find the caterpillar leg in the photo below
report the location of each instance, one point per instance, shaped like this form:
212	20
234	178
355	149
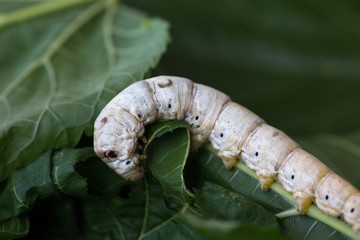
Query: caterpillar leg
265	179
194	146
143	139
138	146
229	162
303	202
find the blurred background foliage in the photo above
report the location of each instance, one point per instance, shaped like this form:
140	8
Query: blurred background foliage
294	63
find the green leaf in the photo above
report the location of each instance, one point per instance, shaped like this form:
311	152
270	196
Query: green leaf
60	69
64	176
228	215
26	186
13	228
227	230
144	215
101	179
47	176
159	128
235	180
216	201
167	157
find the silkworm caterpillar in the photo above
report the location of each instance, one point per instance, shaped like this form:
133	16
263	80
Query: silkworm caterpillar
236	132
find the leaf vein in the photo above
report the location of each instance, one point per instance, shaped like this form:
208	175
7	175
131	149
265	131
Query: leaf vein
55	46
158	227
146	210
16	194
56	179
308	232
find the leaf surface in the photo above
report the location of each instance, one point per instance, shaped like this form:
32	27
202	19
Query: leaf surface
49	175
222	213
144	215
55	80
13	228
168	158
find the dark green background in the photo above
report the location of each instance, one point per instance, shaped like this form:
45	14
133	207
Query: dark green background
294	63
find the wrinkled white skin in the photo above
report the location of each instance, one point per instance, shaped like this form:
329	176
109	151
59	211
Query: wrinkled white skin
137	100
116	133
351	212
332	193
172	96
264	150
206	106
233	130
300	174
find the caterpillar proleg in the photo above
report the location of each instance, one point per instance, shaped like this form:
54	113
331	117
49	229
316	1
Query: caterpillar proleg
236	132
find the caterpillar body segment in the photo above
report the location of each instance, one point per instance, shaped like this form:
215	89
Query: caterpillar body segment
300	174
230	131
351	212
264	151
235	131
117	127
207	104
137	99
332	193
172	97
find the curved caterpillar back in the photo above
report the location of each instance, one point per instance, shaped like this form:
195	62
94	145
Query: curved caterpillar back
233	130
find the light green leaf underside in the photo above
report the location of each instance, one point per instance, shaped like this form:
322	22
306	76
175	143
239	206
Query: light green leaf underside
168	156
55	80
159	128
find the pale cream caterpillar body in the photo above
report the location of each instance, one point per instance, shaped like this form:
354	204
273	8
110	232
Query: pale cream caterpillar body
236	132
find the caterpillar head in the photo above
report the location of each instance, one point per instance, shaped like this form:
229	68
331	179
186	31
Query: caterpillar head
115	141
351	211
125	165
129	169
